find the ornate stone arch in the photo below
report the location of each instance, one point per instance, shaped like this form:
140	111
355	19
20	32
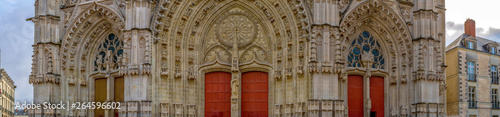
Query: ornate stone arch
228	11
192	18
180	28
91	42
80	41
84	24
384	19
380	18
300	10
393	35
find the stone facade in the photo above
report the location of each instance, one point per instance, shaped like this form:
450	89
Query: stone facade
162	49
472	65
7	90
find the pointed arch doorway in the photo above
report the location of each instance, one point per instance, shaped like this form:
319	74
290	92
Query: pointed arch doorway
365	92
254	98
109	85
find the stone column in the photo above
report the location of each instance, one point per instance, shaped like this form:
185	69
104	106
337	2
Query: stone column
46	73
235	82
367	61
137	56
325	85
110	93
427	55
235	95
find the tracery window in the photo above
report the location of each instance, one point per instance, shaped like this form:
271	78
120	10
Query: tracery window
365	43
109	53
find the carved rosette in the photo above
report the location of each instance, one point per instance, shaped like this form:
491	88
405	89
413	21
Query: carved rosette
236	26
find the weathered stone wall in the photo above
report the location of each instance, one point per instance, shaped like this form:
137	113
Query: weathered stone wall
483	84
303	45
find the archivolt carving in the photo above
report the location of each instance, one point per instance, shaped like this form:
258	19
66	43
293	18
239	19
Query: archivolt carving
193	29
217	53
382	20
386	16
81	24
100	33
343	5
255	53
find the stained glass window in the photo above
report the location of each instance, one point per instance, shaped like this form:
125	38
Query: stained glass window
108	53
365	43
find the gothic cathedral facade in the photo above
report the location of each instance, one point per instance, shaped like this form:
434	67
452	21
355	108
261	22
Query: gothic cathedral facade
301	58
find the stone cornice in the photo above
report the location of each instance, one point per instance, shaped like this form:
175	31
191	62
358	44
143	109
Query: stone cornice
45	78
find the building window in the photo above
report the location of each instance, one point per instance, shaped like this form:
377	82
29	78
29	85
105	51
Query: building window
494	99
365	44
110	50
472	97
470	44
494	74
493	50
471	71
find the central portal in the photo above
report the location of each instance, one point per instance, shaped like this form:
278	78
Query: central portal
356	96
254	97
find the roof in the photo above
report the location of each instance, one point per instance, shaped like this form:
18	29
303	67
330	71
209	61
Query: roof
480	43
4	75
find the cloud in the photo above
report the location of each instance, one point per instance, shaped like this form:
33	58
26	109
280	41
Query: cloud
493	33
453	30
17	37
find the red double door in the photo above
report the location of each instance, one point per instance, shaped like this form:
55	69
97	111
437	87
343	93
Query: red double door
253	97
355	95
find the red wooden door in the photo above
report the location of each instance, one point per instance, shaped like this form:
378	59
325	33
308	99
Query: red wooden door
377	96
355	95
254	96
218	94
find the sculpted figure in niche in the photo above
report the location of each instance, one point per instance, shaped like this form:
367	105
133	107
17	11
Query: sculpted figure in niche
234	87
367	56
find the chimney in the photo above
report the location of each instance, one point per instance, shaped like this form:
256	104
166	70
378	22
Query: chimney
470	27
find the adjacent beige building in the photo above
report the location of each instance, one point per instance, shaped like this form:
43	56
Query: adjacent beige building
6	94
472	75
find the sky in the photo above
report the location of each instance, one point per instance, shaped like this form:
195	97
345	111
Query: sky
16	34
16	38
484	12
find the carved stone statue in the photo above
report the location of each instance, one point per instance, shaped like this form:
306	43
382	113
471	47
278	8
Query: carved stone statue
234	87
99	62
367	59
367	56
